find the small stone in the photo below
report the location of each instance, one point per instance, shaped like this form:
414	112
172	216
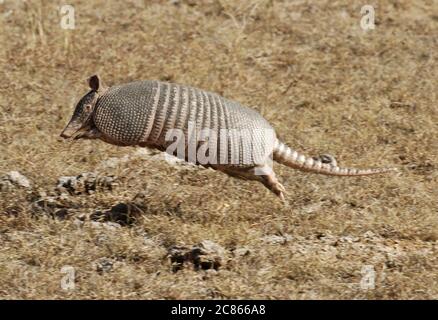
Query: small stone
6	185
122	213
61	214
369	234
274	239
103	265
211	247
348	239
13	178
110	226
178	255
204	256
208	255
49	205
241	252
85	183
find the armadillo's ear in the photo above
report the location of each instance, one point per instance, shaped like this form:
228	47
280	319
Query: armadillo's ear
94	82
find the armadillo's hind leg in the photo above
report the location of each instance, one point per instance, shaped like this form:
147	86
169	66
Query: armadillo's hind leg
263	174
271	182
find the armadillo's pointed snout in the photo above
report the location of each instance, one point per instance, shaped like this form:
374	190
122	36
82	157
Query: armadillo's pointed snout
66	133
70	130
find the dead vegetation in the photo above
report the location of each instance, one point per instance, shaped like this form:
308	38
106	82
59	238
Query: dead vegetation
369	98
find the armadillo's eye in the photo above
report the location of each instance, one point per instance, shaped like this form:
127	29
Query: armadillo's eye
87	108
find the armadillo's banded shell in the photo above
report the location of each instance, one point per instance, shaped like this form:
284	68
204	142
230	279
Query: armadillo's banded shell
147	111
123	112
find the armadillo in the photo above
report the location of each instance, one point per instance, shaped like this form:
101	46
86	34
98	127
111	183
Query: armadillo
199	126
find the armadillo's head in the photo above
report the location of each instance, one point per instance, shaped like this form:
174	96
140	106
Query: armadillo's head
82	120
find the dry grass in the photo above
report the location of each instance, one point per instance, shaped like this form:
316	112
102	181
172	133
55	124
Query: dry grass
326	85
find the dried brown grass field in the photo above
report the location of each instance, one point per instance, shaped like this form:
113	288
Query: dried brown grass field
369	98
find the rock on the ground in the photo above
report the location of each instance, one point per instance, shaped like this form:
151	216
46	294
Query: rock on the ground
52	206
109	226
121	213
85	183
204	256
241	252
103	265
13	178
275	239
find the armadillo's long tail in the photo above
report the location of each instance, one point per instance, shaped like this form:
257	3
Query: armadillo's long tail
285	155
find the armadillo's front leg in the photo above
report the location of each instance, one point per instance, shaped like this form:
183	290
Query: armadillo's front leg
92	133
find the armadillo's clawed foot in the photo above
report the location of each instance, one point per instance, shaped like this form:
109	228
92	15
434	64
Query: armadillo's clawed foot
271	182
281	193
282	198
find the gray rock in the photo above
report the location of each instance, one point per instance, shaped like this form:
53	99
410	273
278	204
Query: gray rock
241	252
274	239
203	256
103	265
124	214
13	178
85	183
6	185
